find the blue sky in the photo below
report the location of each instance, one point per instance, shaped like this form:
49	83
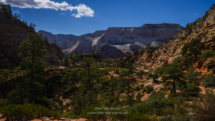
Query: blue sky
86	16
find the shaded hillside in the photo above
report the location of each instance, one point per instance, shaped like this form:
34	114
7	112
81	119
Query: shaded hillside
12	32
124	39
58	37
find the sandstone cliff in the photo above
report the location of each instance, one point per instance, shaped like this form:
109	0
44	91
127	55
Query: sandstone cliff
58	37
12	32
124	39
203	29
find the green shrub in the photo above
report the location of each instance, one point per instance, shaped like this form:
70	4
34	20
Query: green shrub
155	78
27	111
191	90
207	54
209	81
154	105
93	117
116	71
204	107
182	38
192	77
140	73
180	85
148	88
3	103
137	117
213	38
70	114
150	74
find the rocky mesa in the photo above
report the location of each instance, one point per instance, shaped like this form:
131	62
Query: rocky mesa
121	39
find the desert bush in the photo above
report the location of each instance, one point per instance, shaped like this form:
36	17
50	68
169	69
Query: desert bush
207	54
204	107
192	77
116	71
191	90
150	74
154	105
148	88
70	114
209	81
140	73
155	78
66	93
93	117
3	103
182	38
27	111
213	38
137	117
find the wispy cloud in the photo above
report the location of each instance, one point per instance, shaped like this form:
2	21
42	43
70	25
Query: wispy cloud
196	14
16	11
62	14
82	9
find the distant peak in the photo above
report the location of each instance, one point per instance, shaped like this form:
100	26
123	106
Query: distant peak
40	31
162	25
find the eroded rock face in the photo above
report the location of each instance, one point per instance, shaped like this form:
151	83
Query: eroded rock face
12	32
109	51
125	39
58	37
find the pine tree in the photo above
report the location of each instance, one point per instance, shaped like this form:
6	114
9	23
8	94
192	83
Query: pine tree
130	68
184	53
33	49
195	49
175	73
66	61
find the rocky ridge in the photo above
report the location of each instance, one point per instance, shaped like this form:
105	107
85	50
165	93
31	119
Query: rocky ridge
124	39
203	29
58	37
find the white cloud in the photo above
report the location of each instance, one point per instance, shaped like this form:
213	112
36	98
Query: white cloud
196	14
82	9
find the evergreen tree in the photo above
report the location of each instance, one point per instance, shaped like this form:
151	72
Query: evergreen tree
195	49
33	49
66	61
175	73
138	97
184	53
130	68
89	75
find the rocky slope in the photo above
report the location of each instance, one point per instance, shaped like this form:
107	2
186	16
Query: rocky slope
203	29
123	39
58	37
12	32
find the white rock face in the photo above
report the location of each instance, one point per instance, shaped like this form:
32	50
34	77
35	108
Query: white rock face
125	39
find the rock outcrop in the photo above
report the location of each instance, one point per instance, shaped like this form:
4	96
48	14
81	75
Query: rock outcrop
124	39
58	37
4	6
12	32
